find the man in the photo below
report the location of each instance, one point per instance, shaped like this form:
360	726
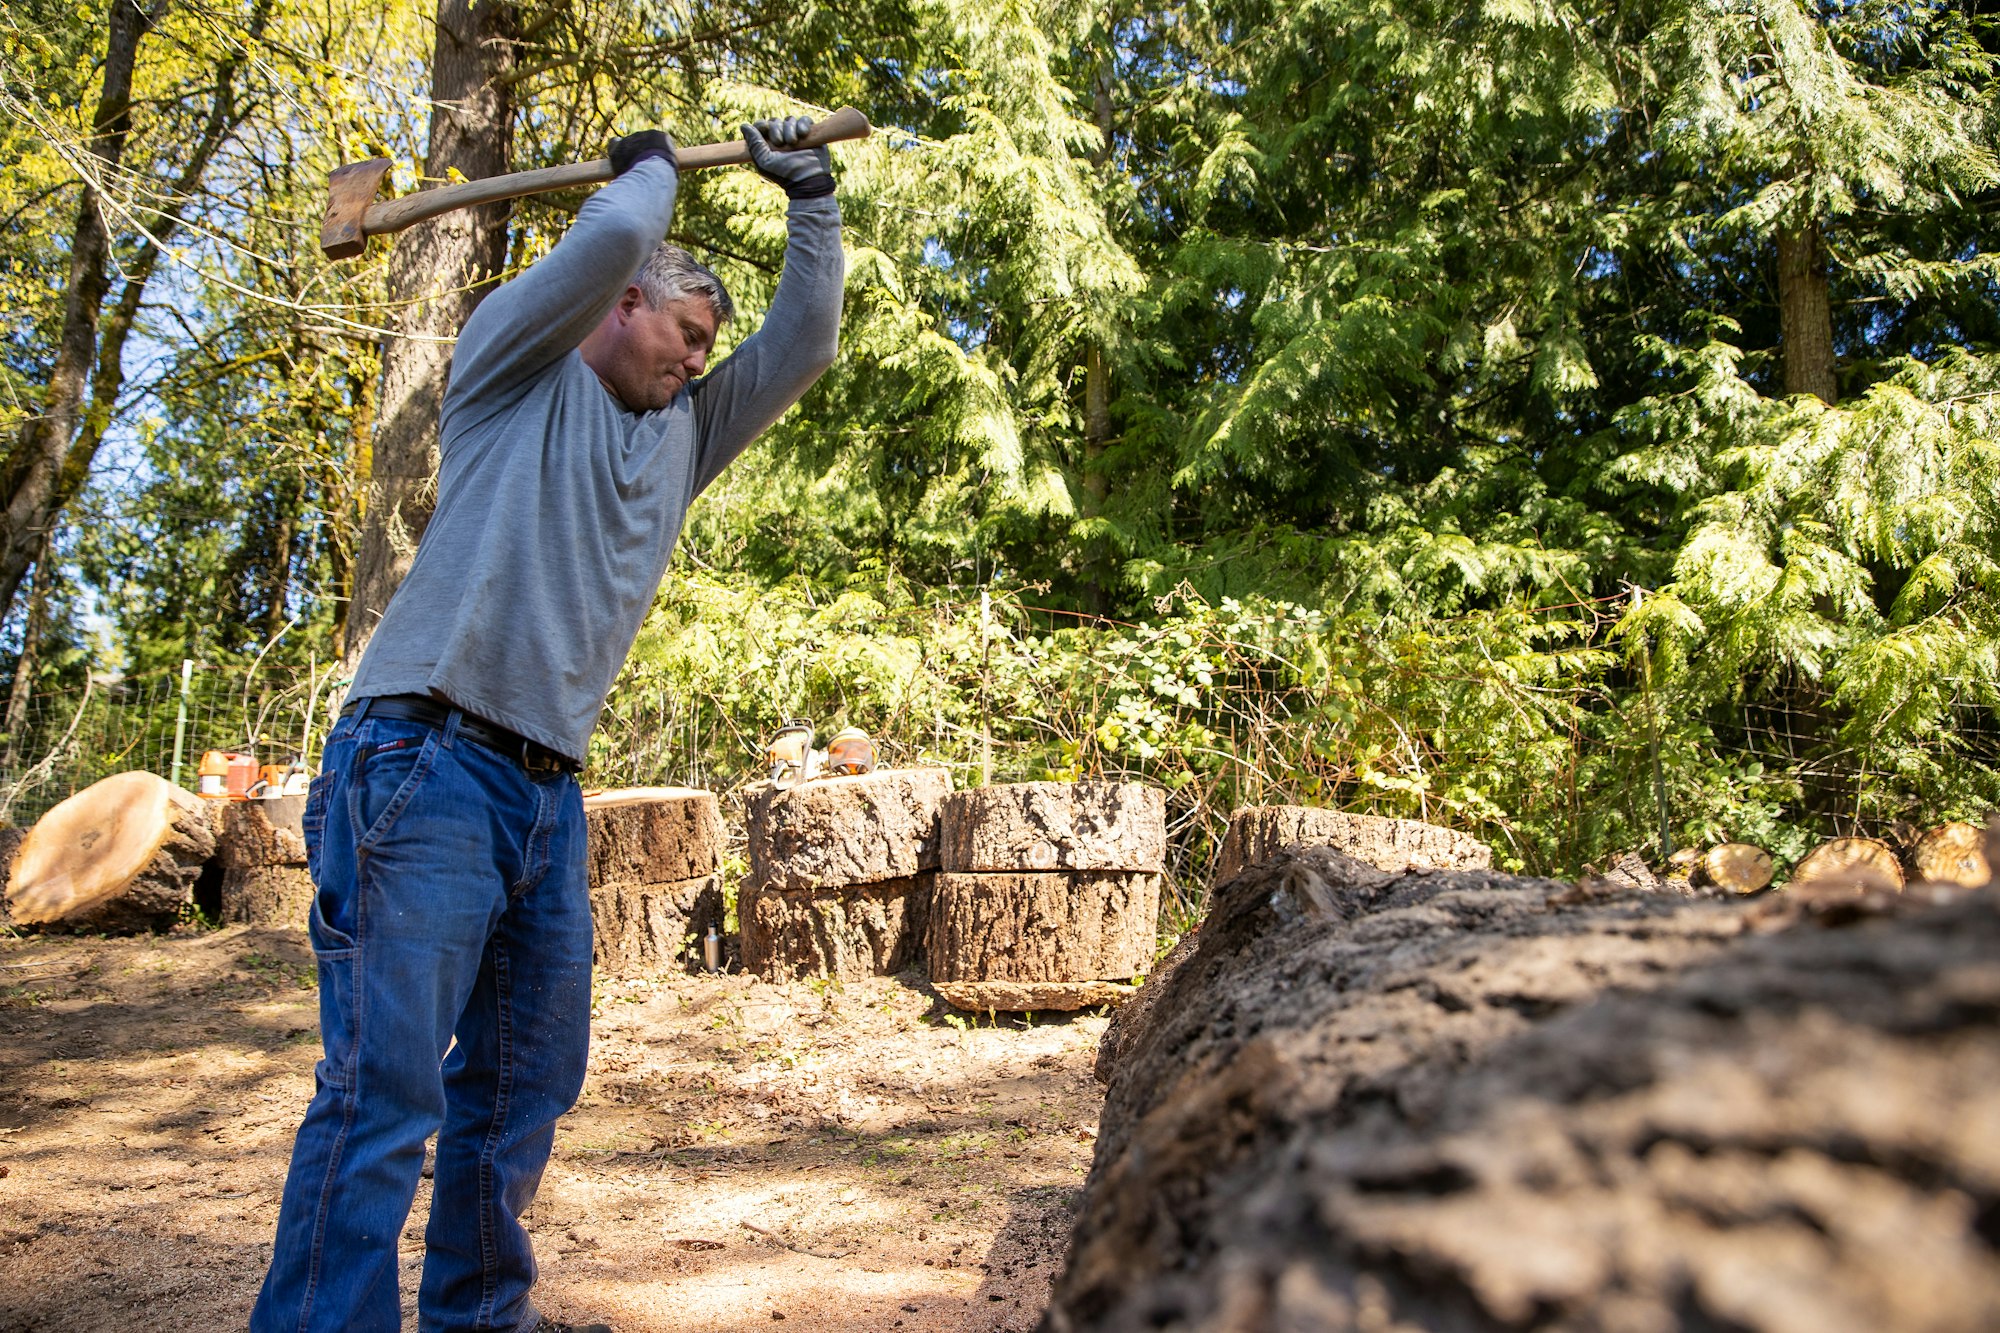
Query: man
446	830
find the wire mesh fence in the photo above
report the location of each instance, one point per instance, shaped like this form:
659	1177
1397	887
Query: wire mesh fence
1532	727
59	741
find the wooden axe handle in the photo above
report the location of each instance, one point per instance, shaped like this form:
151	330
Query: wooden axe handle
341	238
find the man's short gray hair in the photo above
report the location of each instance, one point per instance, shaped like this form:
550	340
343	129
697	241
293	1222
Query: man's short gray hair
672	273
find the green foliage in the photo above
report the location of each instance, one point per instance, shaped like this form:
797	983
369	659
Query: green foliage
1357	405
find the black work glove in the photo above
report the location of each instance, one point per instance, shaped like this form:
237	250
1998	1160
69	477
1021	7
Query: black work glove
806	173
629	151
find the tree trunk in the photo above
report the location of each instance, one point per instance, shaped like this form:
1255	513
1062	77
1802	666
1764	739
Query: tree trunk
24	667
52	457
1097	574
30	473
438	272
1805	314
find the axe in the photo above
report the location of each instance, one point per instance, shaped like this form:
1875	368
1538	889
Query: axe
352	215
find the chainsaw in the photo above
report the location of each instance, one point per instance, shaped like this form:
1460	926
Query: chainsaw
793	760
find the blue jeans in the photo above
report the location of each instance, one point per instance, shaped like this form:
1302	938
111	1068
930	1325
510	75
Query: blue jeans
453	902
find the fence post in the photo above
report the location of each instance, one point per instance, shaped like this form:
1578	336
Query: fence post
181	720
985	685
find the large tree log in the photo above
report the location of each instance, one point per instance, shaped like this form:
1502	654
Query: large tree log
1952	854
1058	925
120	855
654	835
1259	832
862	930
1462	1100
1021	826
835	832
649	929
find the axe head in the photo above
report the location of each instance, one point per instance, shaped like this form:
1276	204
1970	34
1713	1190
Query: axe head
349	191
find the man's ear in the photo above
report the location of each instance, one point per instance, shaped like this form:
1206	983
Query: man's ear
630	301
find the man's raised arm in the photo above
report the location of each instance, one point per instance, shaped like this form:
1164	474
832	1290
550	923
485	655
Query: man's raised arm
542	315
774	366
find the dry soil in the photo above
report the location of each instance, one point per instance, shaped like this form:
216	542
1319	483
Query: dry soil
745	1156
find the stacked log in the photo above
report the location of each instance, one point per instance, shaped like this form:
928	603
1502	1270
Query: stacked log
1952	853
655	857
121	855
262	848
1048	894
1257	833
1466	1100
841	874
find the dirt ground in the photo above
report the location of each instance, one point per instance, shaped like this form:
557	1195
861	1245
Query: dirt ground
837	1157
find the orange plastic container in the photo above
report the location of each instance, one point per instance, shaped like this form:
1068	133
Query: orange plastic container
214	774
226	775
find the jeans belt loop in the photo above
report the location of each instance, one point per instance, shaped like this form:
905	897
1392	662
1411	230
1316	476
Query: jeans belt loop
360	713
451	721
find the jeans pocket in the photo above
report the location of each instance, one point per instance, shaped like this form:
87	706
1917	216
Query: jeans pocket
388	770
337	1012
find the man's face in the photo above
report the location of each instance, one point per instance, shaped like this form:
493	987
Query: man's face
654	353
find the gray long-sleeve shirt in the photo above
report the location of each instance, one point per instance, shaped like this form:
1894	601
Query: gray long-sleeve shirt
558	508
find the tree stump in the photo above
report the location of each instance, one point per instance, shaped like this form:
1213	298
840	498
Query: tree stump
1864	861
121	855
1259	832
858	931
1466	1100
654	835
840	874
655	854
1953	854
648	929
276	895
1043	926
1026	826
260	833
833	832
262	848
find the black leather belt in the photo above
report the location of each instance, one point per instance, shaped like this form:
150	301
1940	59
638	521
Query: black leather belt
531	755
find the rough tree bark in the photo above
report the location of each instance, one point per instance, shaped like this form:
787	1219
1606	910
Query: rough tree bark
1464	1100
1805	313
438	273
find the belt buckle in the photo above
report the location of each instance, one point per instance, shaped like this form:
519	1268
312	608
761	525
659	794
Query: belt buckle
539	759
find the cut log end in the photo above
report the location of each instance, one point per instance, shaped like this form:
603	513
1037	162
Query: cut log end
1953	854
121	855
1736	867
1863	862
